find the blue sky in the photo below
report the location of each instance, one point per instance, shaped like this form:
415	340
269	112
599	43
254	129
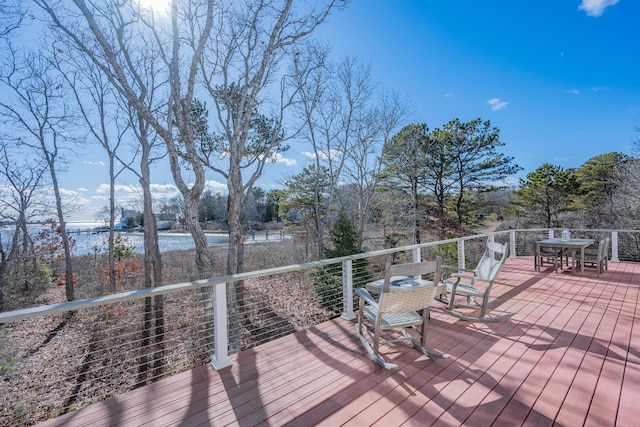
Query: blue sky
559	78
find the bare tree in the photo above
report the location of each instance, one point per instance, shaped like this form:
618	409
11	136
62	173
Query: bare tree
21	199
313	75
103	121
373	127
117	37
334	103
152	257
12	14
38	112
239	69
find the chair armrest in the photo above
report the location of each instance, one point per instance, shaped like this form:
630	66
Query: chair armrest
465	276
365	295
455	268
459	272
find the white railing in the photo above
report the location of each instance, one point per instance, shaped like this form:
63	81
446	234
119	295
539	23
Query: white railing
56	358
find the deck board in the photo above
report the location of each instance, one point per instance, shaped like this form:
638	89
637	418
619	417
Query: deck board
570	356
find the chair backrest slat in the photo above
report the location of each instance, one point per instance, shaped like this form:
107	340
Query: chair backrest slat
404	300
492	260
414	268
395	299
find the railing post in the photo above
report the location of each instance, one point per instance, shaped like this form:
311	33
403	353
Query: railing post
417	254
220	358
614	246
512	243
461	262
551	233
347	290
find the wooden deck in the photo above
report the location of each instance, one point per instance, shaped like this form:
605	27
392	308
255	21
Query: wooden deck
570	356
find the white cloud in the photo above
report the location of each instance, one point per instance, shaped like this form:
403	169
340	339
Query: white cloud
497	104
215	186
448	95
285	160
130	194
118	188
169	190
573	91
322	155
86	162
596	8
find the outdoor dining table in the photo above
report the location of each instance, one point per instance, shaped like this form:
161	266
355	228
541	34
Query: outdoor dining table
572	245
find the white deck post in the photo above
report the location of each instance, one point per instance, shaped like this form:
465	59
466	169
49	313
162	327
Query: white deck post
512	243
614	247
347	290
220	358
417	254
461	262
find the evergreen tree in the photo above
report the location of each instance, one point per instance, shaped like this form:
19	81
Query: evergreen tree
328	279
547	192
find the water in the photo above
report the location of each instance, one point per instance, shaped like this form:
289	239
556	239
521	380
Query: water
168	241
85	243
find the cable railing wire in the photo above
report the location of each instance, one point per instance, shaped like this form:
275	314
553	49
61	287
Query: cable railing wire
101	348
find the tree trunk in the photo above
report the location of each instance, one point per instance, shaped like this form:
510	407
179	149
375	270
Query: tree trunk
68	284
152	270
235	261
111	287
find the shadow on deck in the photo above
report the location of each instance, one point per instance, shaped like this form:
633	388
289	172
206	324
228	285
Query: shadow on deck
569	356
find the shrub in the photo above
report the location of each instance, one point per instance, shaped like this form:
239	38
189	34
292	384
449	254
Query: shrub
121	248
328	279
44	272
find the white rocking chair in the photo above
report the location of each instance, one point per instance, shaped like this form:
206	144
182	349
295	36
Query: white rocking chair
475	285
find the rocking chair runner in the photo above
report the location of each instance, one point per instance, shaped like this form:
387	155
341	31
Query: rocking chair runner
467	283
400	299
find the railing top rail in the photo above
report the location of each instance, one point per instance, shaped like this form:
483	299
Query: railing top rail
11	316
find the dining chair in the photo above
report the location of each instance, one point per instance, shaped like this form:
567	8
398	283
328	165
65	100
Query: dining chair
597	260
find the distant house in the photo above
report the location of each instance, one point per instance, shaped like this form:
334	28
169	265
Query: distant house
164	225
121	225
126	220
166	216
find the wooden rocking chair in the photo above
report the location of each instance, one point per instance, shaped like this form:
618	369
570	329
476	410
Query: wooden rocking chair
403	304
474	285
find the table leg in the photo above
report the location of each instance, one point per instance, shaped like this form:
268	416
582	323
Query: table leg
582	261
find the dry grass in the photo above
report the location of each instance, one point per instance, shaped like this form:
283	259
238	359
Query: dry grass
57	363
